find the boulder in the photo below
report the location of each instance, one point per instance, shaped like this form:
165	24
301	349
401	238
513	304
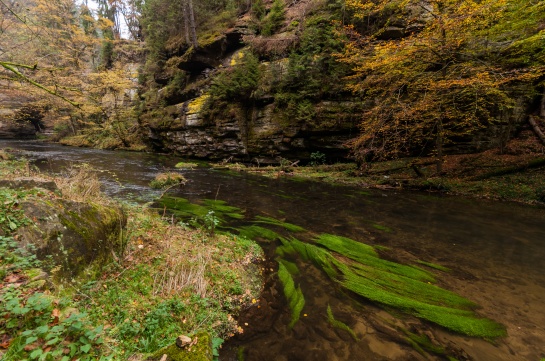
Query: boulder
72	234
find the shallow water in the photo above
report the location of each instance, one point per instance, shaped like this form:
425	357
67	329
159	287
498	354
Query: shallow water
496	252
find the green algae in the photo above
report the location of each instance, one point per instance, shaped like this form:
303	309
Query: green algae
423	344
275	222
183	208
290	267
338	324
257	232
384	282
367	255
434	266
293	295
380	227
221	207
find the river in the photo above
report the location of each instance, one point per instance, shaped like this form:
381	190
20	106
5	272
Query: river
495	250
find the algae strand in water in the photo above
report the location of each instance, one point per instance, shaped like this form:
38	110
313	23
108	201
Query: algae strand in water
294	296
361	271
275	222
338	324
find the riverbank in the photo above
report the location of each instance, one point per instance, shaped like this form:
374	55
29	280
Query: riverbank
161	280
516	174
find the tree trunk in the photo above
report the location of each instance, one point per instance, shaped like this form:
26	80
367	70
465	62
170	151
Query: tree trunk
439	147
186	22
192	25
542	107
536	129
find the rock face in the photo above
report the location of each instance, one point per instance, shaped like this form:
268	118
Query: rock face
11	101
259	137
73	234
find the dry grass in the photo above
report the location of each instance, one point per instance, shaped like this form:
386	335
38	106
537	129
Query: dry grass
182	271
80	184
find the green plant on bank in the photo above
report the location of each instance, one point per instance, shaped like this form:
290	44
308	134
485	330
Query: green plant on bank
317	158
171	287
211	221
338	324
11	215
157	287
38	326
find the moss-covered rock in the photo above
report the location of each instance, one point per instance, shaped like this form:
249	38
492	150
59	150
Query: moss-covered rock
72	234
200	351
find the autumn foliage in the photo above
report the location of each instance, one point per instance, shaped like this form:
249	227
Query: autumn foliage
444	80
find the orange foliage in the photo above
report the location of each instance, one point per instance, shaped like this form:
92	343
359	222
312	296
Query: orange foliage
432	86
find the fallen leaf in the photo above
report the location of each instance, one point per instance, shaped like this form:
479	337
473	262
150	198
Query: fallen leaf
14	278
5	341
55	314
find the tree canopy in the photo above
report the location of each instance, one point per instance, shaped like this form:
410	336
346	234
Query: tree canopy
443	80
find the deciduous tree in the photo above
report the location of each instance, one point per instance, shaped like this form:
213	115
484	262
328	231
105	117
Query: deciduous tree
437	85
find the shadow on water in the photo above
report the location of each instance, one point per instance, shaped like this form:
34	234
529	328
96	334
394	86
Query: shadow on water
495	251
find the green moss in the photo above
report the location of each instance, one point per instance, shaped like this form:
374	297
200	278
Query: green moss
275	222
186	165
201	351
293	295
165	180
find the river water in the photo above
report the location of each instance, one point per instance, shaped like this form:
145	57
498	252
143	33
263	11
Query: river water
495	250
